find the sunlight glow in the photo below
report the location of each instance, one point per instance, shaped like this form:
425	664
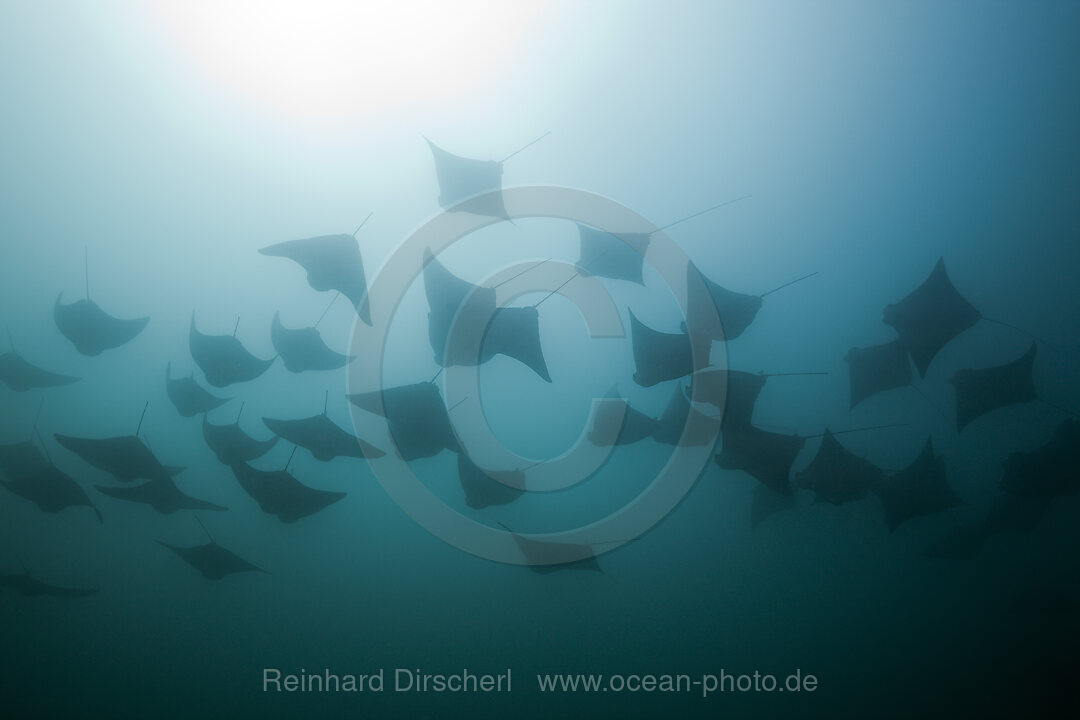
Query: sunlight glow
333	59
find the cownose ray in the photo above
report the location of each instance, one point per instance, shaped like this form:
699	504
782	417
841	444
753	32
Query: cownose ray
674	426
470	185
280	494
837	475
982	390
188	396
303	349
332	262
921	488
162	494
735	310
621	255
417	417
213	561
733	392
231	444
458	314
661	356
545	557
27	585
89	328
466	328
223	358
322	437
877	368
488	488
48	487
769	456
125	457
616	423
766	502
932	315
1050	470
20	375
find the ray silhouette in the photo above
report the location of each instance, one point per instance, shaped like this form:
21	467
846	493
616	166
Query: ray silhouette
660	356
303	349
877	368
223	359
332	262
615	424
320	436
735	310
472	186
837	475
983	390
125	457
45	485
417	417
188	397
213	561
919	489
485	488
162	494
20	375
231	444
546	557
27	585
671	425
763	455
280	494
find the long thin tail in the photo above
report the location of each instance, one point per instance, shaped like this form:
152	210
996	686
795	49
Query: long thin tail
862	429
1059	408
515	277
788	284
236	326
141	417
1031	335
240	412
327	310
291	456
700	212
363	223
527	145
37	417
199	520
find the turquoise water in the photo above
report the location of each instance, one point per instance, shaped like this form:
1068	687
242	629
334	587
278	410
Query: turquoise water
171	144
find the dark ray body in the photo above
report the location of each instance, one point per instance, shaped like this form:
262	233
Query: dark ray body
417	417
332	262
279	493
90	329
188	397
303	349
223	359
322	438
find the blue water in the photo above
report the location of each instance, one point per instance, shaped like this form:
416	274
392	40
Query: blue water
872	140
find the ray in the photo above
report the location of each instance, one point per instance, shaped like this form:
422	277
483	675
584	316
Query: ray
320	436
20	375
90	329
986	389
547	557
671	425
161	494
125	457
459	313
515	333
27	585
417	417
763	455
332	262
280	494
468	185
231	445
485	488
616	424
303	349
42	483
930	317
660	356
836	475
213	561
188	397
733	392
919	489
223	359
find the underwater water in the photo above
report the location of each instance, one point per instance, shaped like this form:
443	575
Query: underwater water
151	150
